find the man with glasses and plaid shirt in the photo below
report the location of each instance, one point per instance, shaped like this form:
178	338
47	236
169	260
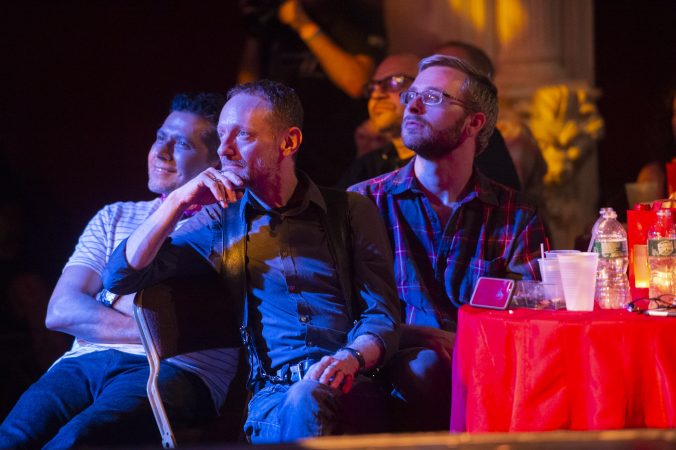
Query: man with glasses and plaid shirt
448	225
391	77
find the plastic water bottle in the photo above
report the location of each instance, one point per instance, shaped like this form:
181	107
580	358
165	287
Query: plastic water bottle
610	242
662	255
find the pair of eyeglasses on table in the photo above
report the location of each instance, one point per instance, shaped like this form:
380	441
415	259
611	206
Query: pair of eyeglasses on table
662	305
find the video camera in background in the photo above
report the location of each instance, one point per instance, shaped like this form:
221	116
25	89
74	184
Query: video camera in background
258	14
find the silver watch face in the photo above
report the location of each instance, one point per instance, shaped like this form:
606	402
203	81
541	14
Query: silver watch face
108	298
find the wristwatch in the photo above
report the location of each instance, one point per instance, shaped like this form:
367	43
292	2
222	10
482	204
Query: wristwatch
357	355
107	298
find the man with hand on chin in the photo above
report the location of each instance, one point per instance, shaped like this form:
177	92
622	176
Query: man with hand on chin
316	312
96	393
448	225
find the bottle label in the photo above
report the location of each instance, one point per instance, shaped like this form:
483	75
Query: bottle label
662	247
611	249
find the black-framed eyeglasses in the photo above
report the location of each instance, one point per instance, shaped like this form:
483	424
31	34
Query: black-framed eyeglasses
662	302
430	97
393	83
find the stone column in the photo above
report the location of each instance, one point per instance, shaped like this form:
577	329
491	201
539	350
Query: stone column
543	53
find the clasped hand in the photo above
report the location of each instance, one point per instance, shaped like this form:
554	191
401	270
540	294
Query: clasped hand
337	371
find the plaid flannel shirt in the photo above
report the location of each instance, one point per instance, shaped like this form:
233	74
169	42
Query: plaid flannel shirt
492	231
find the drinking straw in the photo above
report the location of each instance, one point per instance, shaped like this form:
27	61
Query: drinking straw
591	241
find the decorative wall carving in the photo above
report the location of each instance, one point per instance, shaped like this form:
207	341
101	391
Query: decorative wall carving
543	52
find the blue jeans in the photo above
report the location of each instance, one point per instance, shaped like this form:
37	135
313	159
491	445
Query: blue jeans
100	398
284	413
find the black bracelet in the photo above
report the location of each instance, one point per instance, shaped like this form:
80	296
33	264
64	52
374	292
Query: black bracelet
358	356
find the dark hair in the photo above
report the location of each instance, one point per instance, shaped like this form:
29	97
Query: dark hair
476	56
284	102
478	92
206	105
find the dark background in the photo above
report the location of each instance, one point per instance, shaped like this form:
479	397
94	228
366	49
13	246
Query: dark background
635	68
86	84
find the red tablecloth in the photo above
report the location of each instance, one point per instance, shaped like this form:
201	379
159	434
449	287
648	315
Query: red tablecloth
526	370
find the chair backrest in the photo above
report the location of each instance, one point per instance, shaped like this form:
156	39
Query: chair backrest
183	315
187	314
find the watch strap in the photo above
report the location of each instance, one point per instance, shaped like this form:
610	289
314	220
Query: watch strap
358	356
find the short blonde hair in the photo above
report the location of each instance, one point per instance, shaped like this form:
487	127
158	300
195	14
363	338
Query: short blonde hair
478	91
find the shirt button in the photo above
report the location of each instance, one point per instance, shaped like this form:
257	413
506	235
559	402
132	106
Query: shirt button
304	318
293	289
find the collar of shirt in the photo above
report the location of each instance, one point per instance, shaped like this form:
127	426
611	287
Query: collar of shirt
404	180
306	192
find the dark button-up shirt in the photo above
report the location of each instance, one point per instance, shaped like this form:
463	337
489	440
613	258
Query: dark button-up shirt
296	310
491	232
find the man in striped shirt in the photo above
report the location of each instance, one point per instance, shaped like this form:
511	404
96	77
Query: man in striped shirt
95	394
448	225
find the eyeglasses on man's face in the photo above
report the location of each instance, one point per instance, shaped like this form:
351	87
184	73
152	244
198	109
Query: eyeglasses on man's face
430	97
662	302
393	83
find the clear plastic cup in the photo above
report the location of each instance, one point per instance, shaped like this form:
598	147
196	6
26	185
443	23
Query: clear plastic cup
578	278
549	271
555	253
537	295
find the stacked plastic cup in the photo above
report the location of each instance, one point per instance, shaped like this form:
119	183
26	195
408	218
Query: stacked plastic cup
549	271
555	253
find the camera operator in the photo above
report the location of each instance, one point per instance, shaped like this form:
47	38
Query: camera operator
326	51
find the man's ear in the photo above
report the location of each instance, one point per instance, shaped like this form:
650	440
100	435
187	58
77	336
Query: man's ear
476	123
292	140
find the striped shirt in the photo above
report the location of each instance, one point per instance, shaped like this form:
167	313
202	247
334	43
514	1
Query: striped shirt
491	232
105	231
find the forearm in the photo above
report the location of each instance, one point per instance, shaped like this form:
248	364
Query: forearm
347	71
374	284
370	348
81	316
145	242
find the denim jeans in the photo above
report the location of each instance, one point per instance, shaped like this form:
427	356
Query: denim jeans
287	412
100	398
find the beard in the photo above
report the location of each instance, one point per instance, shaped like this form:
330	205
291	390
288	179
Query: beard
433	144
259	172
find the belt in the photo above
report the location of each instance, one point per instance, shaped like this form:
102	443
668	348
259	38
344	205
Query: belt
291	373
287	374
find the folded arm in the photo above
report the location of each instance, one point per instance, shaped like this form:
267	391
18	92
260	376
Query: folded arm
73	309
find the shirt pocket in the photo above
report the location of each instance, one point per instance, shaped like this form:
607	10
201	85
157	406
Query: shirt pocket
476	268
